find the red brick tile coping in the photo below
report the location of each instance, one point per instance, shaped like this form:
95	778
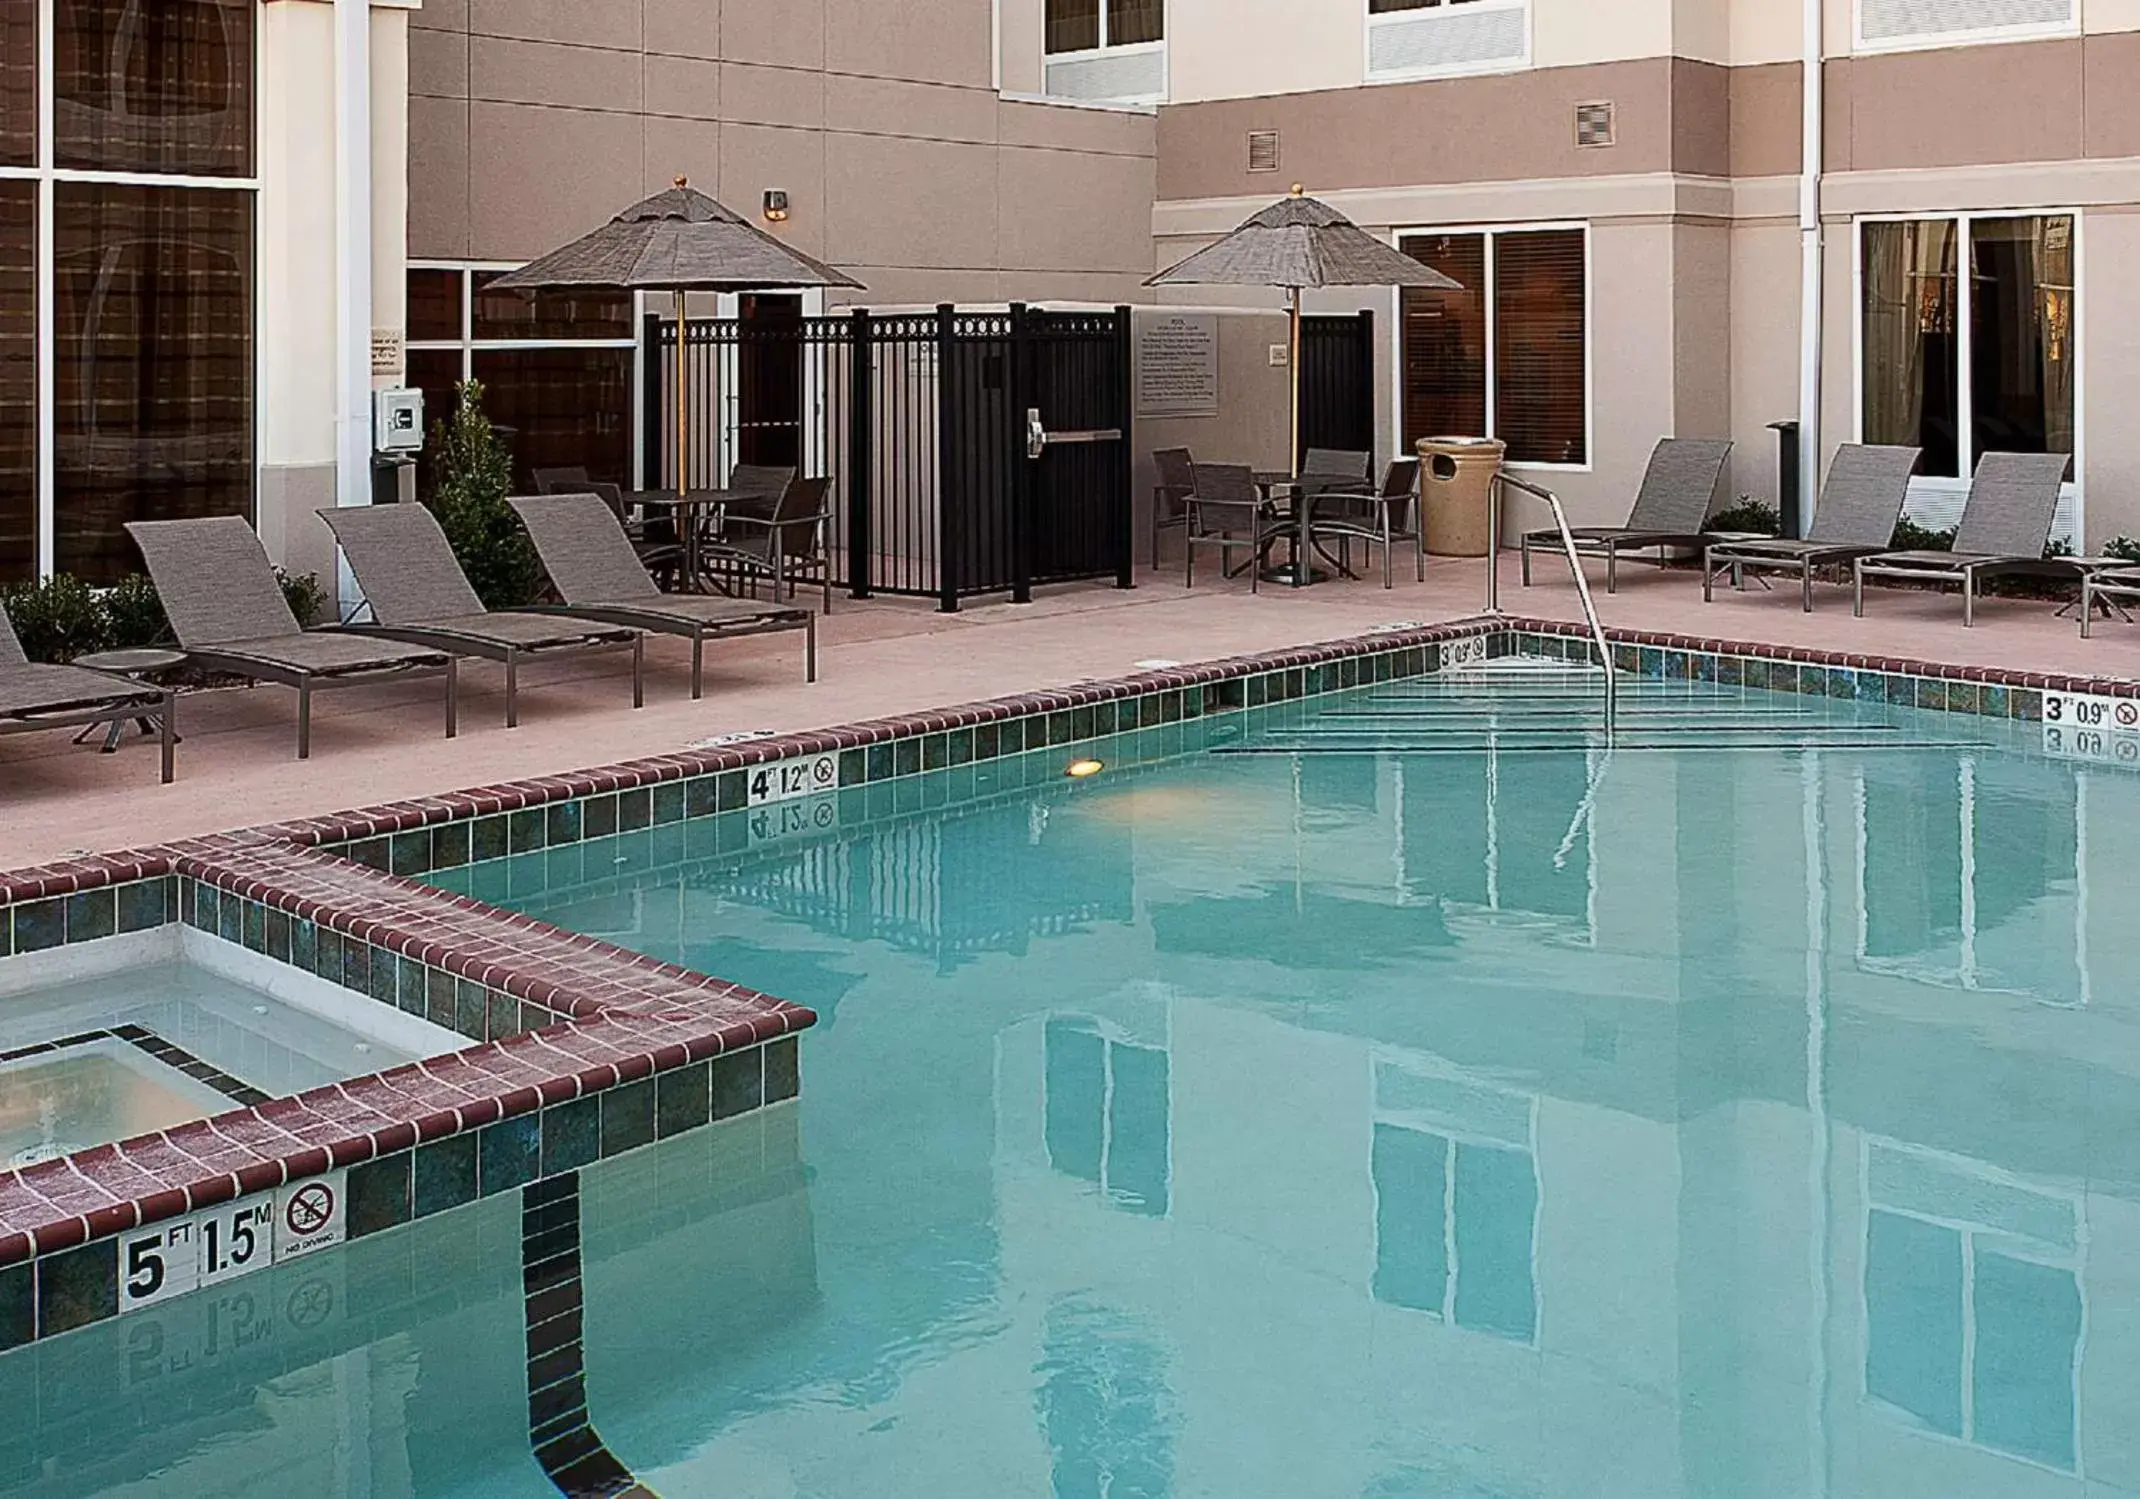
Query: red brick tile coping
566	1020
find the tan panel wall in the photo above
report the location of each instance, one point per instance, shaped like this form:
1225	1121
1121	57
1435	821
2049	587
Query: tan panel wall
1575	33
1508	127
1701	329
533	120
1764	349
1237	49
2110	371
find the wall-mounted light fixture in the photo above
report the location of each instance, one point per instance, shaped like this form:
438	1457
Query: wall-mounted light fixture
776	206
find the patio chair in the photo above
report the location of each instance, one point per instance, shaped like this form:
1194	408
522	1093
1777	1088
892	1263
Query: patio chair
1223	503
220	593
785	544
35	696
418	593
1380	518
757	488
1677	491
1170	495
1859	507
593	569
2006	524
1324	469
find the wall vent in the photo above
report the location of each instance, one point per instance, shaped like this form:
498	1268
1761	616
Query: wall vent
1908	22
1263	150
1593	124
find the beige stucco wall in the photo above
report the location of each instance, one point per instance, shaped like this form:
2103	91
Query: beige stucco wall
534	123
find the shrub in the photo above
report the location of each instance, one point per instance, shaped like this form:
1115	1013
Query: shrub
57	618
2124	548
133	615
1911	537
305	594
1748	515
474	475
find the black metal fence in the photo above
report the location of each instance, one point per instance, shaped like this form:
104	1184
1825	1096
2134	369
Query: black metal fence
1337	383
921	422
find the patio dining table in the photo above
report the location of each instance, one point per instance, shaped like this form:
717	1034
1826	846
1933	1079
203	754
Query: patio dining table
1301	491
690	512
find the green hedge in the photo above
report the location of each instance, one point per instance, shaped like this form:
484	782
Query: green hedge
61	617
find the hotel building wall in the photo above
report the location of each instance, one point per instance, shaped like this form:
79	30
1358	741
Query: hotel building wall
1694	244
534	122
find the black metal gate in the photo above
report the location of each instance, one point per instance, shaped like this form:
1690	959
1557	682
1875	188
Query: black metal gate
1337	383
921	421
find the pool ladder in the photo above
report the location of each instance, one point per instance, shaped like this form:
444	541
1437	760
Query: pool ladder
1505	480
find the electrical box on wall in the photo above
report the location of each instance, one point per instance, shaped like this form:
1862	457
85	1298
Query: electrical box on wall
398	421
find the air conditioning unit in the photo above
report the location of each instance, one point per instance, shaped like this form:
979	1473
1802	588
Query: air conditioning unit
1905	23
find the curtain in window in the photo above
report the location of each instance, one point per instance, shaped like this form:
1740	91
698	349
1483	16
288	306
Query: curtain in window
18	380
1910	321
1073	25
18	83
154	364
2021	335
1539	367
1445	341
1133	21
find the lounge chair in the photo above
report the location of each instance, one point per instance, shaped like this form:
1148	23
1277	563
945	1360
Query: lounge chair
594	570
1176	468
36	696
1859	507
1380	518
419	594
2006	524
2102	587
1224	502
1678	488
220	594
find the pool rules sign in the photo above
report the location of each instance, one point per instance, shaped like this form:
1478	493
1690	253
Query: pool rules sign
220	1244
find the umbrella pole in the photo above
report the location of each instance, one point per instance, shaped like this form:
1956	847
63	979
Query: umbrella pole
683	401
1292	457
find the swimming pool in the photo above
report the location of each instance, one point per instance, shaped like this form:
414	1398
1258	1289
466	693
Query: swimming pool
1402	1094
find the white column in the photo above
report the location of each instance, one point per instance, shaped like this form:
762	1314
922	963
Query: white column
1810	310
353	250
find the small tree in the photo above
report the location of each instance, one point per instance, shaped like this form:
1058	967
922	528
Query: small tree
474	475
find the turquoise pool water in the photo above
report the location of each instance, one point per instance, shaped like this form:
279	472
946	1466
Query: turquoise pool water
1405	1097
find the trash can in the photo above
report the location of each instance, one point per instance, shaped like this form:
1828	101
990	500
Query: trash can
1456	488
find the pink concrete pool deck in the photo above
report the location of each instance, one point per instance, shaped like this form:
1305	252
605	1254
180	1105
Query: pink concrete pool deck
882	658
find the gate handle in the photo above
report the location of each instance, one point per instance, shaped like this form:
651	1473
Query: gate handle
1038	439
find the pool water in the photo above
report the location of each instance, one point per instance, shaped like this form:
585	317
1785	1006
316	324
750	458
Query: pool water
1408	1096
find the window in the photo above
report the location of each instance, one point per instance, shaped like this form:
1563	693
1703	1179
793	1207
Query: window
1107	1113
1885	25
145	172
1437	38
556	367
1975	1323
1456	1201
1961	365
1083	25
1106	51
1507	355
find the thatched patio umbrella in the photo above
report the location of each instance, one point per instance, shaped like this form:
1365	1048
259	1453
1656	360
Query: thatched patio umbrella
1299	243
677	241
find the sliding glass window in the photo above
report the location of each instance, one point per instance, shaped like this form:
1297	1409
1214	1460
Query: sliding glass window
139	144
556	367
1963	364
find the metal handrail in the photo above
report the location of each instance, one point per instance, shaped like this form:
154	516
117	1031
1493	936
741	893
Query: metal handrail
1575	566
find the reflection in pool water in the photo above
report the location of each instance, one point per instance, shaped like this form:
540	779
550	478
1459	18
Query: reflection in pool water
1440	1120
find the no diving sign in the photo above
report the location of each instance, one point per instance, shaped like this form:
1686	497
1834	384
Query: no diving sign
309	1215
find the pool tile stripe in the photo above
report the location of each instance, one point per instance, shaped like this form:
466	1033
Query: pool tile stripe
166	1052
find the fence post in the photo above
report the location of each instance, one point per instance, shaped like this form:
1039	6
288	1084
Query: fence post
653	400
1373	426
947	571
861	442
1025	473
1125	518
